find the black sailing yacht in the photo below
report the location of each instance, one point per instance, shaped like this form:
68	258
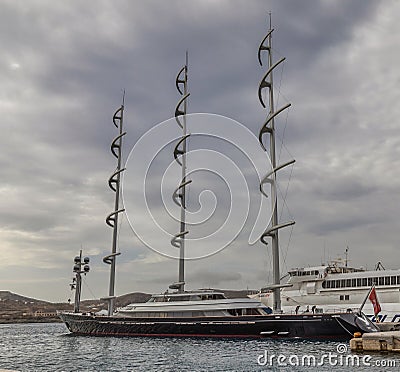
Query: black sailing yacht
208	313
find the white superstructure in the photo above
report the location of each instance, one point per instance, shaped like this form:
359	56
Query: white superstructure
194	305
337	286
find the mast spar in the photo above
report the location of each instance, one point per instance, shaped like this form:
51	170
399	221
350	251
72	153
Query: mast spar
114	182
179	195
269	128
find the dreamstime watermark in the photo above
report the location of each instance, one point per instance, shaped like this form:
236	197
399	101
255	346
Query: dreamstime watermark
221	154
340	358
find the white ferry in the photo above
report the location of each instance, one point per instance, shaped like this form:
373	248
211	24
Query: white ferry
336	286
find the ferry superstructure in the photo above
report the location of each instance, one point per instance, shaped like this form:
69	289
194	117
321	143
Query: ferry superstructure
337	286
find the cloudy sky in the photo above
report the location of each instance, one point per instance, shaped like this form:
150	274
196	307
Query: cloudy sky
63	68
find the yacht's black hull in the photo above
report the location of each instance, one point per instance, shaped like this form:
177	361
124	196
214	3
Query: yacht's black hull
333	326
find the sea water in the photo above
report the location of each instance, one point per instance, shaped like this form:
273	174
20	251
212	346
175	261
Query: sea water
50	347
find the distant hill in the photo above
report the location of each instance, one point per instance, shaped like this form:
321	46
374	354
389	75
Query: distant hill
8	296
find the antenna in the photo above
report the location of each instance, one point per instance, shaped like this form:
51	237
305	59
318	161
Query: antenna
179	195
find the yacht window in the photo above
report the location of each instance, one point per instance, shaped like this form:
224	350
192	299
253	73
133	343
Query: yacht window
178	298
348	282
374	281
353	282
235	312
364	282
387	280
252	312
393	280
347	297
359	282
398	280
333	284
324	284
342	283
341	297
381	280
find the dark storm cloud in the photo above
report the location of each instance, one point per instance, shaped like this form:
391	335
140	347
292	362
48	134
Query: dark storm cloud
64	66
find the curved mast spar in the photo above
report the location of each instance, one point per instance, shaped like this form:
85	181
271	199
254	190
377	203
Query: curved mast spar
179	195
269	128
114	182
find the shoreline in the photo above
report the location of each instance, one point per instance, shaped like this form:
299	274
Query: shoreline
31	320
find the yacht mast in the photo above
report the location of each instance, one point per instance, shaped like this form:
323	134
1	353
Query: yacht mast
179	195
269	128
114	183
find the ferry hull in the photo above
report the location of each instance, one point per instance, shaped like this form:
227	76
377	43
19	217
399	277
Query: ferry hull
333	326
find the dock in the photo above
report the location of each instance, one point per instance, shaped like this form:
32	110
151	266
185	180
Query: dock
385	341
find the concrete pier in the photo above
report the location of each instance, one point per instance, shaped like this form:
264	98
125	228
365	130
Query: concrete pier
377	341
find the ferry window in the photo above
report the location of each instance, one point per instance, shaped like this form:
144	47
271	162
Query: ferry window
387	280
342	283
341	297
393	280
347	297
374	281
370	280
359	282
353	282
337	283
348	282
328	284
364	282
381	280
